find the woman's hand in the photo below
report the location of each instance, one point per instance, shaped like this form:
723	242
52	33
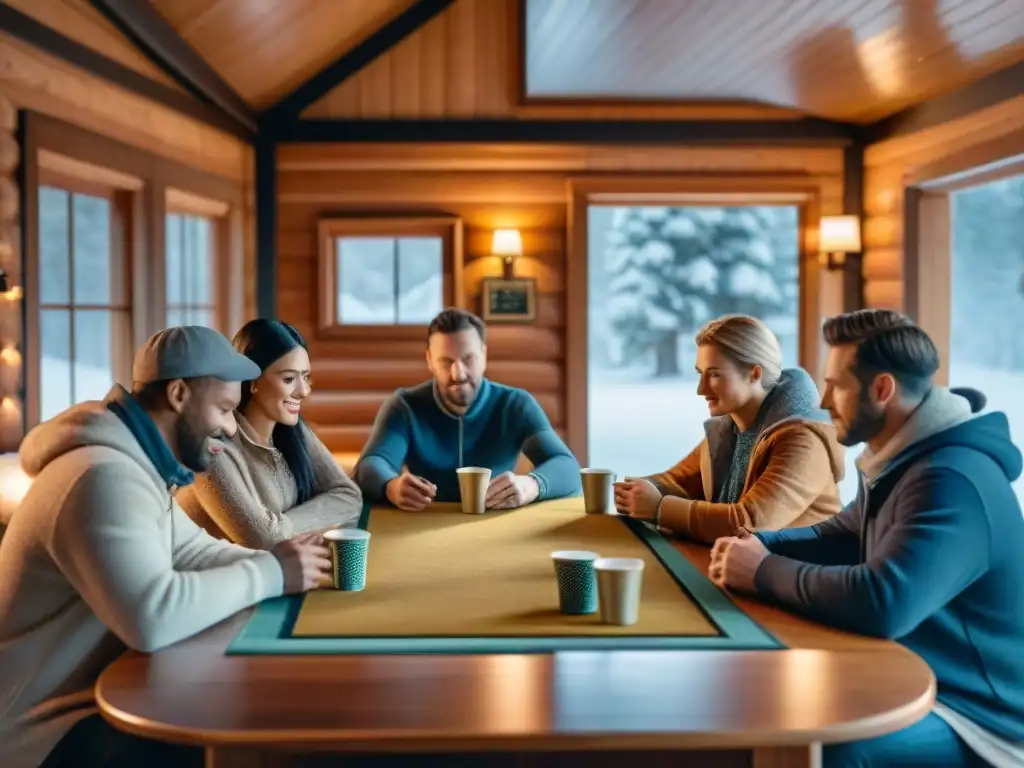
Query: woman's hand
637	498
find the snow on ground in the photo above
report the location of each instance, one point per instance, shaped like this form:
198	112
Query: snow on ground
640	425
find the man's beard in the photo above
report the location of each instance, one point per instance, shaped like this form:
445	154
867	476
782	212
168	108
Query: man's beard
193	452
459	396
868	422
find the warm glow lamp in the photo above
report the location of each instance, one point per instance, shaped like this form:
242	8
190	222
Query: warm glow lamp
838	236
508	244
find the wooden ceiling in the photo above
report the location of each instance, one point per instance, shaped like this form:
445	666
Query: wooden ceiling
265	48
846	60
853	60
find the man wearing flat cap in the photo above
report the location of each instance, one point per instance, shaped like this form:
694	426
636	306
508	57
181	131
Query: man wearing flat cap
99	556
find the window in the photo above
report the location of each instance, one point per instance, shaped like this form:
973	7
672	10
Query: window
85	315
986	322
389	280
190	270
655	275
93	207
390	275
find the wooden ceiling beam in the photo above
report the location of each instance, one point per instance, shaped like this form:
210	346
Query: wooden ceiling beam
141	23
804	131
999	86
290	107
28	30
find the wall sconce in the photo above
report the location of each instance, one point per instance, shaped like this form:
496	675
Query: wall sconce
508	244
838	236
8	291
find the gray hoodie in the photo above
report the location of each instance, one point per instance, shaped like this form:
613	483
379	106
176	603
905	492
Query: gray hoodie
97	557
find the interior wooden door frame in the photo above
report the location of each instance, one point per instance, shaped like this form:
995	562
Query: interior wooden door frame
679	189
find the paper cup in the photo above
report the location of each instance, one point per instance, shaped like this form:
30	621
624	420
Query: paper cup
473	482
577	585
597	490
349	548
619	580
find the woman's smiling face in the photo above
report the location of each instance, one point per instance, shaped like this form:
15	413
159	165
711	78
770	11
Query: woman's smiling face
279	392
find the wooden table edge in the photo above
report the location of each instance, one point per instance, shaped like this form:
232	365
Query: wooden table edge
399	741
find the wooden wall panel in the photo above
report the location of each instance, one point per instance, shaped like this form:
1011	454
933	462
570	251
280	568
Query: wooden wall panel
37	81
892	165
465	62
78	20
488	186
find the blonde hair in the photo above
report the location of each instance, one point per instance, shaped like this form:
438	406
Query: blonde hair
746	341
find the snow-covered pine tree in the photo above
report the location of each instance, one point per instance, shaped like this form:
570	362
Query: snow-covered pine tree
661	281
672	269
741	249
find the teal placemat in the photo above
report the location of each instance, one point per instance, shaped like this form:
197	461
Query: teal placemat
268	631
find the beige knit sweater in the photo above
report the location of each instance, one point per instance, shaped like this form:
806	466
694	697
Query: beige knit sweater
249	495
97	557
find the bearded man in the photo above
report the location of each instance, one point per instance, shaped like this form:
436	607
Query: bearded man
929	554
99	556
459	418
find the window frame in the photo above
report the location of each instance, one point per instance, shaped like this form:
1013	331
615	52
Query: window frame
53	149
820	291
181	203
329	229
928	231
54	173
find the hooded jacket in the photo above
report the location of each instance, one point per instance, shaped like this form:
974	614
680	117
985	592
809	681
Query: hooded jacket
931	554
98	557
791	478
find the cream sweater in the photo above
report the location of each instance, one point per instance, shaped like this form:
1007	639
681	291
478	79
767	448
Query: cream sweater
99	556
249	495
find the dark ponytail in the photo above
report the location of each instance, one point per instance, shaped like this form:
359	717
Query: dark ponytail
265	342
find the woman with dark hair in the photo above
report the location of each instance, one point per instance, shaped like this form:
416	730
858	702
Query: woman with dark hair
274	479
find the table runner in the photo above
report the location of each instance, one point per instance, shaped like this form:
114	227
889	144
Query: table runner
440	581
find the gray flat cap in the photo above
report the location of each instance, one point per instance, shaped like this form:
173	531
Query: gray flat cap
191	351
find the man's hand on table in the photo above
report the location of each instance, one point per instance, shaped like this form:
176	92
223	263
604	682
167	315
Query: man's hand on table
735	560
305	562
409	492
509	491
637	498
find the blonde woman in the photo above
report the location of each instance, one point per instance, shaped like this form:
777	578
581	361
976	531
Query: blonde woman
769	459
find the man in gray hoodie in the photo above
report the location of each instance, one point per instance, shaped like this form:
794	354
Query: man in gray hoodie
98	556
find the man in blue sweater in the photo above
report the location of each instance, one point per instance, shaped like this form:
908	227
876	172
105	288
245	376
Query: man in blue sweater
460	419
931	552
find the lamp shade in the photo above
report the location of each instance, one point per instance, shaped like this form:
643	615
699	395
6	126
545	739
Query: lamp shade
507	242
839	234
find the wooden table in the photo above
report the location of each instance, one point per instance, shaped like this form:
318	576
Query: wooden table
565	709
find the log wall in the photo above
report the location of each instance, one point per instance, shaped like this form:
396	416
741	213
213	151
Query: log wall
892	165
11	401
488	186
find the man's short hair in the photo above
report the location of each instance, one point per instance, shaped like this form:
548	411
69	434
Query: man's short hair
455	320
886	342
153	394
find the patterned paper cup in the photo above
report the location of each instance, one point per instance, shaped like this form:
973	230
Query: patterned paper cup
348	548
577	581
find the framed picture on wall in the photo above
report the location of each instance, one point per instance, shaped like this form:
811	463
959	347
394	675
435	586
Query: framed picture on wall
509	300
